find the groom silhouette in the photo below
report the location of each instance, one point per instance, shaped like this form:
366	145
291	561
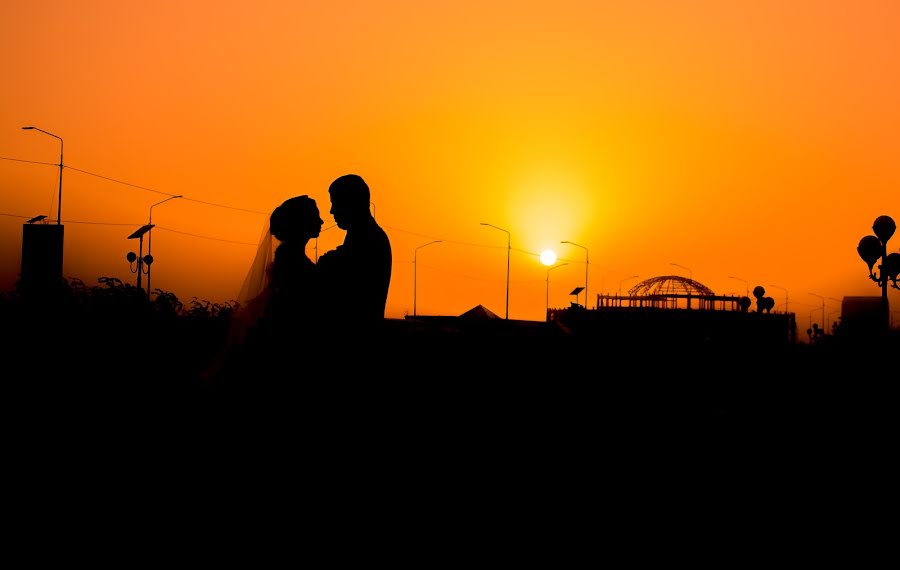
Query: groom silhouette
356	275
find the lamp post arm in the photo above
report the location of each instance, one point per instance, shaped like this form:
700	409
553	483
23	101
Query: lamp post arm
587	262
59	194
746	284
547	305
690	271
150	239
61	144
508	251
415	270
785	297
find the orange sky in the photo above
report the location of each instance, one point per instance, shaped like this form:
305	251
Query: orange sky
757	140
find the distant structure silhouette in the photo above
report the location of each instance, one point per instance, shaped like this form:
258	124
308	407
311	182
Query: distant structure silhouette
668	290
682	310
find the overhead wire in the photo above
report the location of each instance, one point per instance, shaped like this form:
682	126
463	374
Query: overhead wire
219	205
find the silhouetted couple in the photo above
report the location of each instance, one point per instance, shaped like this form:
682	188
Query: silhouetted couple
292	307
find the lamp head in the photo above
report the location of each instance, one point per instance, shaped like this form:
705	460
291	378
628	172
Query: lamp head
869	249
27	128
891	267
884	228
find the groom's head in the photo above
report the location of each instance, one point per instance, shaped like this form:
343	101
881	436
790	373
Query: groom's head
349	199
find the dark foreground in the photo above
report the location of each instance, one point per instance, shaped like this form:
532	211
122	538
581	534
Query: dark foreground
485	391
634	429
486	431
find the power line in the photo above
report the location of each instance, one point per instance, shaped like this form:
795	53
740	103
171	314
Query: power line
164	193
137	224
228	207
118	181
16	216
215	204
138	186
75	221
203	237
459	242
100	223
29	161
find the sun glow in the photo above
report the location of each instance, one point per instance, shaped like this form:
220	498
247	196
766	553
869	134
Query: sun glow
548	257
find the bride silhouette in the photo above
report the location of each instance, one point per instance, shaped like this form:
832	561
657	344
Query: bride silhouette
279	306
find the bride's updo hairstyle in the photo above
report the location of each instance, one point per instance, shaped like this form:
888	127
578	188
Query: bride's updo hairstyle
290	218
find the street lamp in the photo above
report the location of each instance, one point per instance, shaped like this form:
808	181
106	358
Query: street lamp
870	249
59	203
690	273
625	279
814	332
150	240
746	285
839	302
415	252
139	258
549	269
508	250
830	321
785	297
823	306
586	262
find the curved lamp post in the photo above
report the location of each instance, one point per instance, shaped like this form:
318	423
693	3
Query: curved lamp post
840	304
59	202
746	284
586	262
873	247
149	257
831	321
690	273
823	309
508	250
549	269
625	279
415	252
814	332
785	297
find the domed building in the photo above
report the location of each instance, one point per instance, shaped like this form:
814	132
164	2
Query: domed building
671	292
670	284
680	310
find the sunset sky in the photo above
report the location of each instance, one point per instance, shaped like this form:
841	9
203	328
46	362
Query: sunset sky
738	143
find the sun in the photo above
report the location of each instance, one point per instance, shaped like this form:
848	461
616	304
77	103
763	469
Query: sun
548	257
